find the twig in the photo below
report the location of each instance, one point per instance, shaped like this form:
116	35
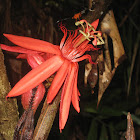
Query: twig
130	134
130	10
46	119
136	46
137	80
134	24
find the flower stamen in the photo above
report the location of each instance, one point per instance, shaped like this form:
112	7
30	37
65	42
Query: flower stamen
90	32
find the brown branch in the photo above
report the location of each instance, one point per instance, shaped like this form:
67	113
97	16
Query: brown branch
8	109
46	119
97	9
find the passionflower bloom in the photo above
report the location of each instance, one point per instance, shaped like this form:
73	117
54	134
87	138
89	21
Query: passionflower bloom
64	60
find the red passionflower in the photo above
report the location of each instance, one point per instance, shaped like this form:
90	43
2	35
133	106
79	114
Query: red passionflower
63	60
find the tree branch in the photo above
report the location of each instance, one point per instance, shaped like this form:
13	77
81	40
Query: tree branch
8	109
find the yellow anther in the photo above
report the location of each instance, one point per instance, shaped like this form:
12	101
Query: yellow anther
84	34
87	34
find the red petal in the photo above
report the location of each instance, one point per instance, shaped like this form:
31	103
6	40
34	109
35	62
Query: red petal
66	97
31	61
33	44
35	60
75	96
82	58
25	99
95	24
37	76
58	81
95	41
22	56
17	49
64	30
38	96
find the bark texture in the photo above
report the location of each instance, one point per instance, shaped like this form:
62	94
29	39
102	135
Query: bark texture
8	109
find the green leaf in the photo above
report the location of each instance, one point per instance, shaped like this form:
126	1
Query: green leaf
91	108
103	135
93	131
110	111
121	125
112	132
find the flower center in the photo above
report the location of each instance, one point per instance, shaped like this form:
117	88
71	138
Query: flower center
76	45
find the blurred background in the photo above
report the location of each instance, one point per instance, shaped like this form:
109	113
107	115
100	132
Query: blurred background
39	19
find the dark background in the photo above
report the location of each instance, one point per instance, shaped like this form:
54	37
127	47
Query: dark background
34	18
